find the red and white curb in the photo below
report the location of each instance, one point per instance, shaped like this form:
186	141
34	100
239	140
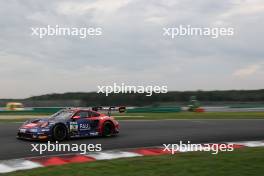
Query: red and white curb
36	162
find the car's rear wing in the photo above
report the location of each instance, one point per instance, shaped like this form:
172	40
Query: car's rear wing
110	109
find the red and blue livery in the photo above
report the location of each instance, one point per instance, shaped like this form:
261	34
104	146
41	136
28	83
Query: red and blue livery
69	123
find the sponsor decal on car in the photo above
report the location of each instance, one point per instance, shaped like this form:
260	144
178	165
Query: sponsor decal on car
94	133
84	126
73	126
22	130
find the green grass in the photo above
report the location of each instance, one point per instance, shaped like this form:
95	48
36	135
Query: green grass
160	116
248	161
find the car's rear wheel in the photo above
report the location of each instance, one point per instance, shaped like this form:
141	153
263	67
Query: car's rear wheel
59	133
108	129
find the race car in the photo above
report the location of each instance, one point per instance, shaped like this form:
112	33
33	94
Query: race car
69	123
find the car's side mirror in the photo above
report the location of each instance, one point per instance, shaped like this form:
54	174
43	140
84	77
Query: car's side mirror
75	117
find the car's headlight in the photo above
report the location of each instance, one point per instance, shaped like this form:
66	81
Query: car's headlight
33	130
45	129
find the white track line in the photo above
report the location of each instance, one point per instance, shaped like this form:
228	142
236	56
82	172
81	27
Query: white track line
17	164
112	155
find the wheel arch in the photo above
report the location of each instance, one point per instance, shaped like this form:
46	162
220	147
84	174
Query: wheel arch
102	125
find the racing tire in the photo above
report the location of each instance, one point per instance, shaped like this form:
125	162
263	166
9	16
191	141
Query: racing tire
108	129
59	133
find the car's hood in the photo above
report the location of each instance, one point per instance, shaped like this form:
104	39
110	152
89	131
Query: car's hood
33	123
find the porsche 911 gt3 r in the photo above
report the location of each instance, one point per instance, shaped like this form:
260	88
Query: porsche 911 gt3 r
69	123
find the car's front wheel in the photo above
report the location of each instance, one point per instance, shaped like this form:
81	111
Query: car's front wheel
59	133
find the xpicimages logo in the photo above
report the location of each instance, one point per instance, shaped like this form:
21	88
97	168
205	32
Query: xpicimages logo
149	90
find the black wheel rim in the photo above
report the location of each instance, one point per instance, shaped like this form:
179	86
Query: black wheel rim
60	133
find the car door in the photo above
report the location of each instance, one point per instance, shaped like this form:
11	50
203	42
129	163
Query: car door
83	123
94	123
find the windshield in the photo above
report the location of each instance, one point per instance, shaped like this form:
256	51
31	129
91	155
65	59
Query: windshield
63	114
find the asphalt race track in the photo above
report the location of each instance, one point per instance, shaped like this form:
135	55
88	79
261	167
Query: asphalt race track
145	133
